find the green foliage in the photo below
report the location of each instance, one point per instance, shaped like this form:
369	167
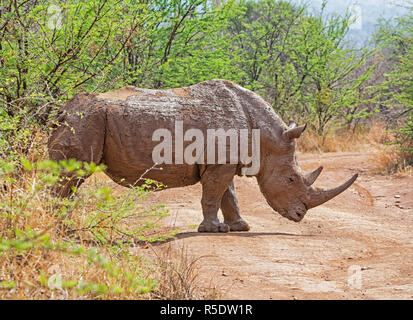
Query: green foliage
94	215
49	50
299	62
13	138
128	282
395	39
183	46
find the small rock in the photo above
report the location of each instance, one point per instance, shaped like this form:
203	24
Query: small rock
224	273
397	196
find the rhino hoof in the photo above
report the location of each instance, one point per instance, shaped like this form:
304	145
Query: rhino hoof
211	227
240	225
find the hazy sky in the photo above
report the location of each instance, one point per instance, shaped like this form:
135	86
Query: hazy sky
366	12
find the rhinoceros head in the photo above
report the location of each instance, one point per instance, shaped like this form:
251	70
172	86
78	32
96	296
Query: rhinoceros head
287	189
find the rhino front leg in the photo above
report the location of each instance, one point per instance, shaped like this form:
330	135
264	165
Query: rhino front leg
215	181
230	211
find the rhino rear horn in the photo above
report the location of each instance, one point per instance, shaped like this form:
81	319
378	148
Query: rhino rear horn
293	132
309	178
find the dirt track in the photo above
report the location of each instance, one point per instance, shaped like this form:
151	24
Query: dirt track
365	231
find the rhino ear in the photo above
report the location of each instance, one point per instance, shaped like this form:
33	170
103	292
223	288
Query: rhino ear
293	132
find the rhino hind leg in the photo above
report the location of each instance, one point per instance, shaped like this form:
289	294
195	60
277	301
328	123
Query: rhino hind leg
81	139
230	211
215	181
69	180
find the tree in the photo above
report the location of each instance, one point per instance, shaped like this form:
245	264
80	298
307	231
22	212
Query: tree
299	61
50	52
183	46
395	40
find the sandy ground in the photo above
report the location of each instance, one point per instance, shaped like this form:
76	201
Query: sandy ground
356	246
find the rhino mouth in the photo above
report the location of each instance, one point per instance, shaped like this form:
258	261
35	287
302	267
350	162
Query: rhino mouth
296	216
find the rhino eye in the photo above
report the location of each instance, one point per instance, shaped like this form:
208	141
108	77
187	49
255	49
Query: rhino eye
291	179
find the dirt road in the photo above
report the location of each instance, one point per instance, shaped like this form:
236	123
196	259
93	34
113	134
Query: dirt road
356	246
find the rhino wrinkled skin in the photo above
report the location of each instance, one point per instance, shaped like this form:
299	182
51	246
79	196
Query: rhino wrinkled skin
115	128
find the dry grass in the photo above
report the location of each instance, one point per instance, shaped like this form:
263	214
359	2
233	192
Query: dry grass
178	274
343	140
97	272
31	268
387	158
390	160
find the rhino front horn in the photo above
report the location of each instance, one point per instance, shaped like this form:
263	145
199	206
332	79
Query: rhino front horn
293	132
309	178
318	196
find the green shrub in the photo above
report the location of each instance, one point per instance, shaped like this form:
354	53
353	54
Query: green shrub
95	230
